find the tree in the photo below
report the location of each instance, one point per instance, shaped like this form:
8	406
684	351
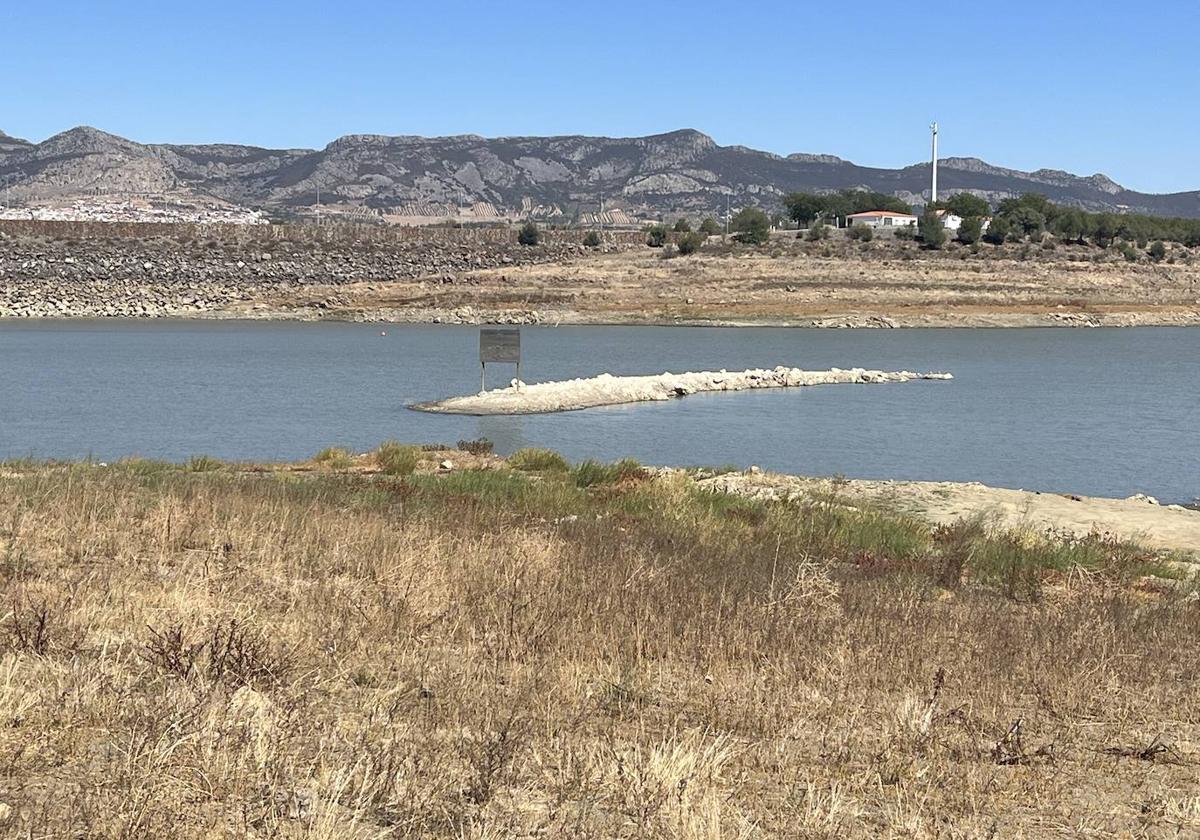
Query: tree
933	234
656	235
529	234
682	226
968	206
751	226
1068	224
1026	220
1030	201
970	230
1157	250
804	207
591	239
690	242
818	231
1106	229
709	227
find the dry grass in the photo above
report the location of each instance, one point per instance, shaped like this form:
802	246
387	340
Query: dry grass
495	654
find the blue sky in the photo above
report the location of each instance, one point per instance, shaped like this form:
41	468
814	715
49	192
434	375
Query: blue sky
1086	87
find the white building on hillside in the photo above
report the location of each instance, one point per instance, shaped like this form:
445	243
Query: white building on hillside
882	219
949	220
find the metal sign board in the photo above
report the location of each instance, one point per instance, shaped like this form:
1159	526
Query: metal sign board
500	346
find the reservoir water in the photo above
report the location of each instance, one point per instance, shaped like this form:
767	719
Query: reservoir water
1099	412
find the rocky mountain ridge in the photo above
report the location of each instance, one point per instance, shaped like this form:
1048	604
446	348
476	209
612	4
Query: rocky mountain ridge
678	172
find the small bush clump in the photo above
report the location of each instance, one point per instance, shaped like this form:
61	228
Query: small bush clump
591	239
481	446
861	232
656	236
529	234
690	242
538	460
395	458
334	457
204	463
591	473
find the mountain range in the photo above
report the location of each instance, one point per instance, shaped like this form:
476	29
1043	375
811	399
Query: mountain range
679	172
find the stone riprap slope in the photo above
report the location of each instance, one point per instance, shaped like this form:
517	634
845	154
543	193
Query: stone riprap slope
607	389
166	277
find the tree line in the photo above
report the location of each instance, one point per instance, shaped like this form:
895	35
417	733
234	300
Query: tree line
1029	216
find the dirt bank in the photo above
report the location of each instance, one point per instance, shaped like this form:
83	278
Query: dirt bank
880	284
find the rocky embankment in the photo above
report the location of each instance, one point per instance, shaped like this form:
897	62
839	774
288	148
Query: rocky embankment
607	389
158	278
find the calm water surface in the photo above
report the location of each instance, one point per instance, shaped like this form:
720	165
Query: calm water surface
1102	411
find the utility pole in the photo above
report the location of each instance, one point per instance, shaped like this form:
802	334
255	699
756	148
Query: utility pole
600	218
933	192
726	236
318	205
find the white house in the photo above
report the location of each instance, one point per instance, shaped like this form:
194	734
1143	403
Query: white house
882	219
949	220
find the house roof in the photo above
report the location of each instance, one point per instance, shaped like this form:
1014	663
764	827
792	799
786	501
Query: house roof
881	213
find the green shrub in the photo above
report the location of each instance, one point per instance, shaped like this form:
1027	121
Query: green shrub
591	239
591	473
396	458
204	463
1158	250
817	232
861	232
933	233
529	234
1129	252
682	226
538	460
970	230
334	457
656	236
145	466
690	242
709	227
998	231
751	226
905	232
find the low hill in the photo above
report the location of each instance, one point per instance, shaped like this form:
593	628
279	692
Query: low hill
681	171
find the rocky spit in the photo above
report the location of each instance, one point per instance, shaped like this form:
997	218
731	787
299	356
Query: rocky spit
147	278
606	389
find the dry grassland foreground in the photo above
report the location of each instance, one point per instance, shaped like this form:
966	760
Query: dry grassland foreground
531	650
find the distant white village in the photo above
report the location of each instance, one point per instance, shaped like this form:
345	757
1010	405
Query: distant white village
132	210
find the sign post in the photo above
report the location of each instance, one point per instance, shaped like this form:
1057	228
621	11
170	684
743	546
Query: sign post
496	345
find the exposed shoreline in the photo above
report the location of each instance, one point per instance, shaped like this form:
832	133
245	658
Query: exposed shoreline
1168	527
606	389
455	279
853	321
